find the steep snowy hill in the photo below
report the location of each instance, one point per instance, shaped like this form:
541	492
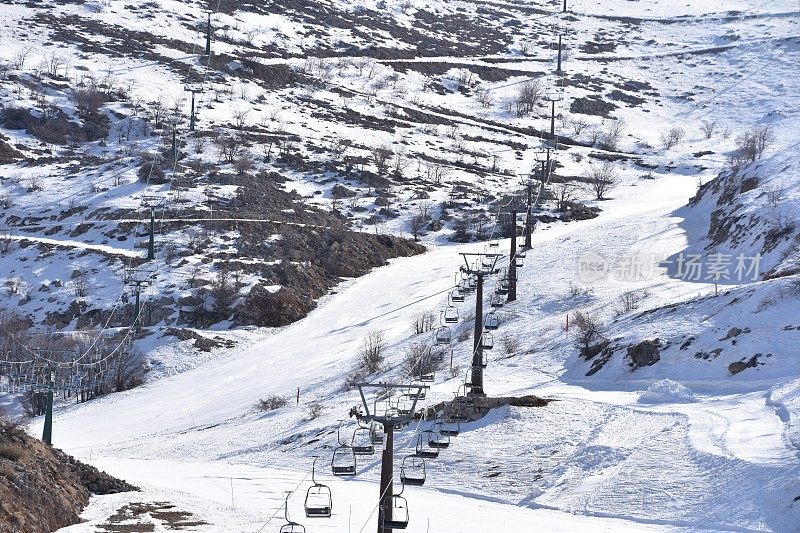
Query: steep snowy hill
657	307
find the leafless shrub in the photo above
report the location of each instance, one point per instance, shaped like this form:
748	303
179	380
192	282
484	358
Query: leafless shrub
170	251
381	156
6	242
579	125
228	146
423	321
34	183
751	146
199	144
609	140
13	285
244	163
672	138
240	118
418	360
272	402
224	291
527	98
485	98
370	355
315	409
80	285
601	179
708	127
509	343
631	301
19	58
586	332
127	369
774	195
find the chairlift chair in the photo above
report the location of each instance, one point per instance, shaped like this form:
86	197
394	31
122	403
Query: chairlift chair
412	471
424	448
376	434
494	243
521	252
443	336
404	405
491	322
502	287
449	428
440	442
343	462
487	341
362	442
438	357
292	527
457	294
498	300
399	518
519	262
319	501
450	315
415	391
427	377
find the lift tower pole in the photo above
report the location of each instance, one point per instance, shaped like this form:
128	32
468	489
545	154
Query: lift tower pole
480	269
512	260
477	349
387	478
558	68
389	421
47	432
529	214
208	33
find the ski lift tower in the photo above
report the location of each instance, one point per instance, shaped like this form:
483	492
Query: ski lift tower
390	417
484	264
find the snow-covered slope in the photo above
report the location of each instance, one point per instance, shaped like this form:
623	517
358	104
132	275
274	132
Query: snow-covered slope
316	90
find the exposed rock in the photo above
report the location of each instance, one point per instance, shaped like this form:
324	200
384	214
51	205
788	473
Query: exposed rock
645	353
42	488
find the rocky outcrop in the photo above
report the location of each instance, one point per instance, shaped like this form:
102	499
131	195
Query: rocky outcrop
644	354
42	488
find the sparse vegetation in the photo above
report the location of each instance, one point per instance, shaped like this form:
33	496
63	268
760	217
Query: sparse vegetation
272	402
601	179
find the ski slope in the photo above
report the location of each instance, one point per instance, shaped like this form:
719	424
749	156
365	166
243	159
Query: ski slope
584	463
723	457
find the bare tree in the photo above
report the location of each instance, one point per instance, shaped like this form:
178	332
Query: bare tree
240	117
609	140
423	321
224	292
381	156
564	193
127	369
485	98
578	125
370	355
586	332
672	138
708	127
601	179
417	224
527	98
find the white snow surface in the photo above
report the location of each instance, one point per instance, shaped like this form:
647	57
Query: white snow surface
667	391
699	450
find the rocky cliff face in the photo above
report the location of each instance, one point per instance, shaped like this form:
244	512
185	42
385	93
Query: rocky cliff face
42	488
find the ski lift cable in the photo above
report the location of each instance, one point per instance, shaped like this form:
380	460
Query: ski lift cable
281	508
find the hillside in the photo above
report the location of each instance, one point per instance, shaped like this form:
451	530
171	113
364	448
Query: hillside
304	191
